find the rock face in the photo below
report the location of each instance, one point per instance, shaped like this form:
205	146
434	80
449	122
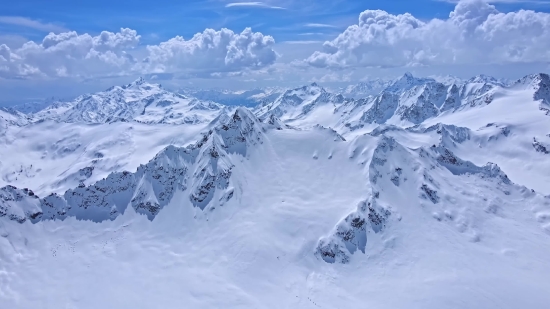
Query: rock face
19	204
350	234
540	83
203	169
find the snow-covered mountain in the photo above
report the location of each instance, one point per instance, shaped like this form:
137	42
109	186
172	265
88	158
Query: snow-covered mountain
204	167
407	100
301	103
247	98
138	101
364	89
36	106
436	192
10	116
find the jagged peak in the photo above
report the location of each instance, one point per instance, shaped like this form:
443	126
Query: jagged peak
244	115
534	80
139	81
406	82
482	78
310	87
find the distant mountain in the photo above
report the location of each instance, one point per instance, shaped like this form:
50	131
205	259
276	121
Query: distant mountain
138	101
300	103
36	106
365	89
407	99
247	98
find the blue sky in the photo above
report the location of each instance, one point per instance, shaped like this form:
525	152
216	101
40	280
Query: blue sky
163	19
296	55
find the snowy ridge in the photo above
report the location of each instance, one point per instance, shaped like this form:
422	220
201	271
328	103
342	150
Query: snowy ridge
249	98
365	89
300	103
423	178
204	167
12	117
406	101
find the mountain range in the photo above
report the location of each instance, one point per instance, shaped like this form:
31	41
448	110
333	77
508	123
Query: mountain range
434	189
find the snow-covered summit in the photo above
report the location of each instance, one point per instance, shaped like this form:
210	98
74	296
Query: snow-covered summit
247	98
138	101
365	88
291	102
482	78
406	82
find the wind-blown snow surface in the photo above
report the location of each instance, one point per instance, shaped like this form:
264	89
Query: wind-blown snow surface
280	212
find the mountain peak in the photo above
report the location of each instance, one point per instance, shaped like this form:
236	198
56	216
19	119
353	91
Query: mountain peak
135	84
139	81
534	80
407	81
482	78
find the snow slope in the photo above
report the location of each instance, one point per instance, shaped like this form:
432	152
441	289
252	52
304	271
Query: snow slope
273	208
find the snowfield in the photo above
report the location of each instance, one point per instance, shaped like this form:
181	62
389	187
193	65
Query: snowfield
422	195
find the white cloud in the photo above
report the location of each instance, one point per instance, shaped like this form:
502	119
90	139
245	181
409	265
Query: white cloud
303	42
539	2
30	23
212	51
315	25
333	77
70	54
474	33
253	4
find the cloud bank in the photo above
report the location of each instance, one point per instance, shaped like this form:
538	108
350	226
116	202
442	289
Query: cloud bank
70	54
474	33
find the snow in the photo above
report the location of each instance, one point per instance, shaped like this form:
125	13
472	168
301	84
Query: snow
313	200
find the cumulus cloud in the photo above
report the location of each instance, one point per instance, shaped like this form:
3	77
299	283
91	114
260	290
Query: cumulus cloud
212	51
69	54
474	33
